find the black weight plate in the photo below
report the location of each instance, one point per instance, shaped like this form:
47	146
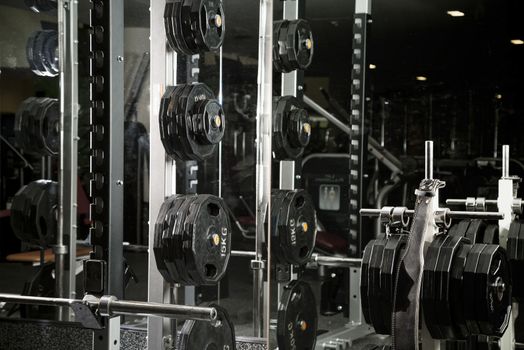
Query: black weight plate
19	215
374	296
179	23
429	286
39	56
168	10
199	92
46	212
30	54
209	24
179	128
21	127
163	119
513	240
177	252
50	127
202	335
291	129
293	239
457	286
38	139
209	246
475	231
364	280
169	247
38	111
520	246
493	291
388	269
300	44
443	305
50	52
208	122
297	317
43	54
460	229
172	247
38	53
31	127
36	193
469	288
175	133
285	65
160	230
189	26
277	62
491	234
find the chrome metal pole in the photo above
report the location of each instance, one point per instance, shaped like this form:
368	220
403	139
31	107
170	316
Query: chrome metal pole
505	161
428	164
486	215
65	255
263	167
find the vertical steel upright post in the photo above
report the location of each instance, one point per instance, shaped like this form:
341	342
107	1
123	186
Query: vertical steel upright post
358	148
107	159
162	169
263	168
292	85
65	249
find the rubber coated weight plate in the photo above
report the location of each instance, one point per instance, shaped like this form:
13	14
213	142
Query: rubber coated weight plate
21	126
469	288
197	95
208	246
163	118
160	229
457	286
429	286
51	52
30	54
491	234
46	212
178	24
460	229
177	252
390	259
475	231
374	291
513	241
297	317
277	62
39	56
210	21
299	44
188	28
291	128
493	291
168	10
443	305
202	335
33	216
19	214
50	127
294	235
364	280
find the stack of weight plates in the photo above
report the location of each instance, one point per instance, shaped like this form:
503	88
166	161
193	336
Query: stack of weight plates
37	126
34	213
194	26
42	53
192	239
192	122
